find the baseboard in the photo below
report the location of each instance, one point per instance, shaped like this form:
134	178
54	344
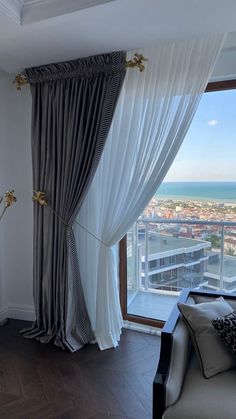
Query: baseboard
3	313
17	312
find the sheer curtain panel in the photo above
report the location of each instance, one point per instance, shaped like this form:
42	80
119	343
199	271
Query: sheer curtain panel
154	111
72	109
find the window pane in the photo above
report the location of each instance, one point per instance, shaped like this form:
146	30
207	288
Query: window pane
186	237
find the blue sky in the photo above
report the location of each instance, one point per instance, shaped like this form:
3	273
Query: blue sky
208	152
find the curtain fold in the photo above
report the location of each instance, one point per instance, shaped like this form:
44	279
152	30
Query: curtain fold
72	109
154	111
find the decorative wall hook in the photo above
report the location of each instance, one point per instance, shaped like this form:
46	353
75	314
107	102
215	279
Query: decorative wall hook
20	81
10	198
137	61
39	197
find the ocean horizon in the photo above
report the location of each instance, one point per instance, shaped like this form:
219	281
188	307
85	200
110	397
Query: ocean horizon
211	191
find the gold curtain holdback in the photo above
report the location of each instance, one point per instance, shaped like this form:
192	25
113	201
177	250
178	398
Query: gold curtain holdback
9	199
39	197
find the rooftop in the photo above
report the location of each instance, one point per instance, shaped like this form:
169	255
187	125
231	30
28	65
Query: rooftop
169	245
229	268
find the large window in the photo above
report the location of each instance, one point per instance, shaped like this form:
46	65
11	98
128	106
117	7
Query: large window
186	237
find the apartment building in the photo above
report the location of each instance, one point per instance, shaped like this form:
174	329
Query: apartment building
173	262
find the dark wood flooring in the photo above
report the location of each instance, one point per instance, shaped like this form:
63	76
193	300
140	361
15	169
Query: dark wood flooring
40	381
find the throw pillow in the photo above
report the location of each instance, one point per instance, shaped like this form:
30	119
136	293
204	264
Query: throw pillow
226	328
212	353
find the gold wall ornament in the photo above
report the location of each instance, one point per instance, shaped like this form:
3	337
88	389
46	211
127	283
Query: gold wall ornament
39	197
137	61
9	198
20	81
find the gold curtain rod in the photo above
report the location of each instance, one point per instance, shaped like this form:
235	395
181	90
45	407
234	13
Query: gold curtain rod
20	81
137	62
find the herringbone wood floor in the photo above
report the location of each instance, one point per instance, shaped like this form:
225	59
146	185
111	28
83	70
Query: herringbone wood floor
42	382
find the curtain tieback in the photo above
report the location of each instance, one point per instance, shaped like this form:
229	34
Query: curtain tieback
40	198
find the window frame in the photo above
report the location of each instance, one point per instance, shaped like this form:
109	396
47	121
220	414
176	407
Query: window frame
211	87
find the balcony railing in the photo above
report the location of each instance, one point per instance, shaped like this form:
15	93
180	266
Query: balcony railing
167	255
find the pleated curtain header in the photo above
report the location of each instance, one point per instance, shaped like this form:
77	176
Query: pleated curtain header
81	67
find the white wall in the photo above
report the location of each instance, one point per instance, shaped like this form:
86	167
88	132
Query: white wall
2	181
16	227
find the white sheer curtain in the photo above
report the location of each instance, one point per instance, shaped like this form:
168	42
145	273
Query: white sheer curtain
154	111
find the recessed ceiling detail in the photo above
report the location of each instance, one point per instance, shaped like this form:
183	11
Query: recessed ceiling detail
29	11
37	32
13	9
36	10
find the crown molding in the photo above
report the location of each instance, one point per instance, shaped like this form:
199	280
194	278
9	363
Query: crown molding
36	10
13	9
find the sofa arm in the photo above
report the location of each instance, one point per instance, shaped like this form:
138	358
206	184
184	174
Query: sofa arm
181	349
175	351
171	368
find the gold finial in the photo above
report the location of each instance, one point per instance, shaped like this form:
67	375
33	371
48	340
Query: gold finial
137	62
39	197
20	81
9	198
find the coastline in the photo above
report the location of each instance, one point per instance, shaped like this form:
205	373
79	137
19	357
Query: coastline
212	192
226	202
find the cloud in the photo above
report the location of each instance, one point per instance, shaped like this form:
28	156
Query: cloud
212	122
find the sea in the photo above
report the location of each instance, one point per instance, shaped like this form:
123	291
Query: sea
222	192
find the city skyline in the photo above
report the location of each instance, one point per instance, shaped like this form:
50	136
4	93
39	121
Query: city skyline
210	142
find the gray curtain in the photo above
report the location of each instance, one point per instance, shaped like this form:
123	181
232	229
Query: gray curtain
72	108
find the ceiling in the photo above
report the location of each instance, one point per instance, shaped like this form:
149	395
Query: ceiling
34	32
